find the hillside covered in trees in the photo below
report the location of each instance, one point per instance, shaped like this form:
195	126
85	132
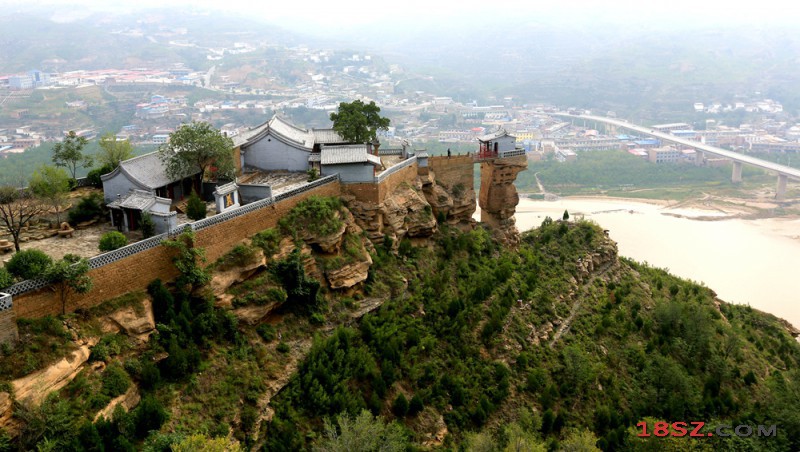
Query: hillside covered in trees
452	343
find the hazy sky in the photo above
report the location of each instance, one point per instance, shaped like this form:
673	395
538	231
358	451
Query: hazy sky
333	14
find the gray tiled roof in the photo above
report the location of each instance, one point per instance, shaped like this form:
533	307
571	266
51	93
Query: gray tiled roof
494	135
422	154
135	199
148	170
327	136
288	130
337	155
282	128
245	136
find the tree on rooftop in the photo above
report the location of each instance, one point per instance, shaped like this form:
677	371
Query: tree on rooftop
113	151
359	122
17	209
51	184
69	153
198	147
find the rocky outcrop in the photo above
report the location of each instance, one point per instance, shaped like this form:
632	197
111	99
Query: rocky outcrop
350	274
404	213
599	260
135	321
221	280
498	197
456	204
791	329
35	387
127	401
7	413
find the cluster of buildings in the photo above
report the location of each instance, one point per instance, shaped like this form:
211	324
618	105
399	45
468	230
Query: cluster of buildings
142	185
758	106
177	75
18	139
161	106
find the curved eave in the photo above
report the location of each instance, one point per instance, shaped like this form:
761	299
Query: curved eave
282	138
107	176
135	181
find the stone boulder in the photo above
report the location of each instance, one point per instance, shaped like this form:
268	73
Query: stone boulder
127	401
35	387
222	280
138	322
7	414
350	274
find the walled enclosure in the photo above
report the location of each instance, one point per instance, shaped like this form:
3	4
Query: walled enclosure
376	193
135	272
454	170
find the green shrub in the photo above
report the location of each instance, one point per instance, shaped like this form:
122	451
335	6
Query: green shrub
195	207
302	291
400	406
416	405
316	215
268	240
112	240
267	332
283	347
94	175
240	255
29	264
115	381
149	415
249	416
88	208
406	248
148	227
150	375
6	279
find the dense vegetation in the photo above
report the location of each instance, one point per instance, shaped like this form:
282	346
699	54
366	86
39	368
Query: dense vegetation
503	348
459	342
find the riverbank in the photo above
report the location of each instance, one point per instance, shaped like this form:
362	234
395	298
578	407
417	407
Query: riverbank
752	204
745	260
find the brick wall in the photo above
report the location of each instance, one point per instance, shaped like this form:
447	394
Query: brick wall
366	192
376	193
451	171
8	327
137	271
390	184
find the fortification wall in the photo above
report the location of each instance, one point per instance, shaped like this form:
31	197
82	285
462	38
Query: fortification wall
8	327
376	193
220	238
450	171
134	272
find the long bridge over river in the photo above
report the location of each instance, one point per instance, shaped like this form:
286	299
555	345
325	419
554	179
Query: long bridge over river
783	172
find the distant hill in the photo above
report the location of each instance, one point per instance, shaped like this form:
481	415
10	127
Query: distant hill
51	41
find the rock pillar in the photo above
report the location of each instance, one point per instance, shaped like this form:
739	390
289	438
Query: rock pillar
498	198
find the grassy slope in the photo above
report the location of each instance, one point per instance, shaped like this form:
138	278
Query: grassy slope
642	343
466	329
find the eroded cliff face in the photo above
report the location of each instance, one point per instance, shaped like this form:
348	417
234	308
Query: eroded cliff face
455	203
498	197
404	213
